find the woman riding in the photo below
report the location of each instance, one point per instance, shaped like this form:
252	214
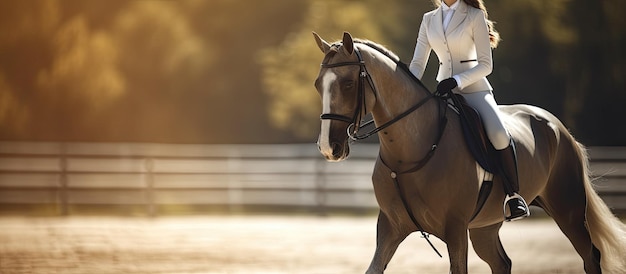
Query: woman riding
462	37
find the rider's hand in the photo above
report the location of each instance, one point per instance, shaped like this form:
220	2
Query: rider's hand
446	85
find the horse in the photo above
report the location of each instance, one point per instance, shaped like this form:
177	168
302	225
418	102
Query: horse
425	178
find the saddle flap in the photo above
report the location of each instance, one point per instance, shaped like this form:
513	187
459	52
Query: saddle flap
474	134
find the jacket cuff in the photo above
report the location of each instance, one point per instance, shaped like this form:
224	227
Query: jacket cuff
458	81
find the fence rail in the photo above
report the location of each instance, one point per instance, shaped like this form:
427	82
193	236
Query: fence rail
153	176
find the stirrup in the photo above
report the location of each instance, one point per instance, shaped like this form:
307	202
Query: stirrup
515	218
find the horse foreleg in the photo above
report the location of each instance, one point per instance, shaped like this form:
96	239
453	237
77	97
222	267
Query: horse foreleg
388	239
456	239
488	247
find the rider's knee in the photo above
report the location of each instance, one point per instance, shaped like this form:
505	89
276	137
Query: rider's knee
500	139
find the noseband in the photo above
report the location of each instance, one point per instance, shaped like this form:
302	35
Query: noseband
355	121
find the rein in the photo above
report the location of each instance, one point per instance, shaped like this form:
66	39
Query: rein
355	126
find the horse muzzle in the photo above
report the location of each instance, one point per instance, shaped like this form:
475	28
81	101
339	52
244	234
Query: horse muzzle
334	150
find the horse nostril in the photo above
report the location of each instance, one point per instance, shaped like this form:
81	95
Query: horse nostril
336	149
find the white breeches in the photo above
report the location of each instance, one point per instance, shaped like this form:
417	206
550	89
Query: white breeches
485	104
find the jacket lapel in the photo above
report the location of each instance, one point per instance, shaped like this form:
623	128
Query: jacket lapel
457	18
437	22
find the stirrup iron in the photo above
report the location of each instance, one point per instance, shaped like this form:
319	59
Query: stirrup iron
506	202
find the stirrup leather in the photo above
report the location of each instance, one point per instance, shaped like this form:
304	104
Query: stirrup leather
506	201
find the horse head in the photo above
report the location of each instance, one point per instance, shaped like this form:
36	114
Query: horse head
341	87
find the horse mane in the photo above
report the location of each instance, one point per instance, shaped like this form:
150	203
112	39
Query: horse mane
380	48
383	50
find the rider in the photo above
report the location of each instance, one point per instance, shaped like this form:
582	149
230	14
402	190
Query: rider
462	36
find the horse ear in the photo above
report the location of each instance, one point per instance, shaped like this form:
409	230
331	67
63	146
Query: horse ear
348	44
323	45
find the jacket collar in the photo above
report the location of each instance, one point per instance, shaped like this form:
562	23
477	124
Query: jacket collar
459	15
457	18
445	7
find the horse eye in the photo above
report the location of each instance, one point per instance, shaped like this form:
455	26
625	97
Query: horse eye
348	84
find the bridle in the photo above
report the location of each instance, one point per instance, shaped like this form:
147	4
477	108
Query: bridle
354	122
360	109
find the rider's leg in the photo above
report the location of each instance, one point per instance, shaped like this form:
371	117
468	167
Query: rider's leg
516	204
486	105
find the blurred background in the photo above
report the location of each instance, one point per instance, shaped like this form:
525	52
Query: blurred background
235	71
157	108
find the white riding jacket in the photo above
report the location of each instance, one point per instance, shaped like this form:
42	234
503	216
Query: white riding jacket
464	50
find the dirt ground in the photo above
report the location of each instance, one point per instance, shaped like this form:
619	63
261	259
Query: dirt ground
249	244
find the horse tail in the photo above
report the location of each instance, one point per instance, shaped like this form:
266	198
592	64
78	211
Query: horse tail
607	232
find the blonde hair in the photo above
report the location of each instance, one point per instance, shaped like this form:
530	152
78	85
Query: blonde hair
494	36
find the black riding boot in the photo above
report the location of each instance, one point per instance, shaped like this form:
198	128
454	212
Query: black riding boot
516	204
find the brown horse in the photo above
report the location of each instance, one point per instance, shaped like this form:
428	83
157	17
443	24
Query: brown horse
425	178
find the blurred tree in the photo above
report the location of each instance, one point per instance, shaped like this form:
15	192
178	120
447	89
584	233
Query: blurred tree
595	75
136	70
84	66
534	36
231	94
163	57
13	112
26	30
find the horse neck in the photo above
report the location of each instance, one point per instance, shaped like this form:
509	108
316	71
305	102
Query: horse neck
410	138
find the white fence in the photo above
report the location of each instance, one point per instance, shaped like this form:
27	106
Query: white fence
232	177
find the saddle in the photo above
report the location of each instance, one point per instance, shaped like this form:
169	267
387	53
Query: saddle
475	135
